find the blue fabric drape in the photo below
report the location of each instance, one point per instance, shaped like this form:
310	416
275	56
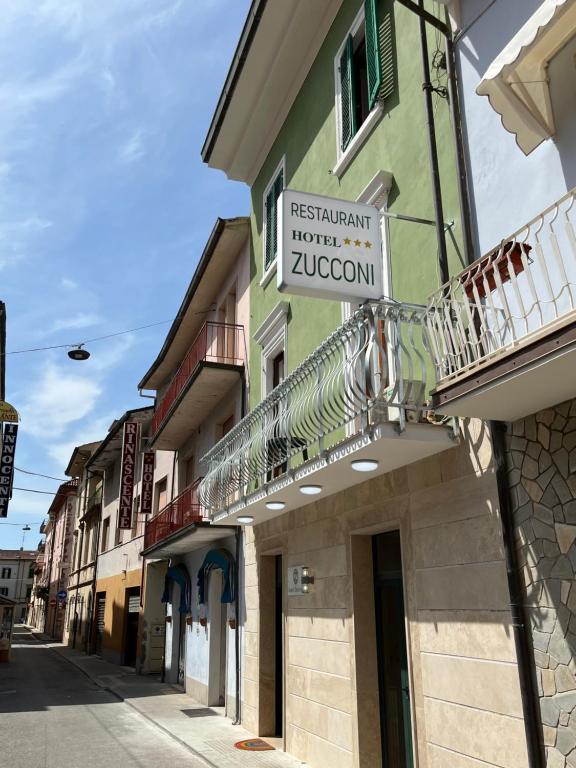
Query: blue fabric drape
180	575
218	558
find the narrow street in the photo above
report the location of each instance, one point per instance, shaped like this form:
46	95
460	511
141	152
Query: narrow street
54	716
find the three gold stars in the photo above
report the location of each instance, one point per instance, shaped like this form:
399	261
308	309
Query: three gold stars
357	243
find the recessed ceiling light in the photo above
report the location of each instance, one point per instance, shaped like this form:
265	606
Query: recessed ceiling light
275	505
310	490
245	519
364	465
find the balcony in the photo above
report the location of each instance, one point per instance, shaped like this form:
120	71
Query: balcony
503	332
213	364
94	501
179	526
360	395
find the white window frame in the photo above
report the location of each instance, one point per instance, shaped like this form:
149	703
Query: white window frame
272	337
268	273
344	158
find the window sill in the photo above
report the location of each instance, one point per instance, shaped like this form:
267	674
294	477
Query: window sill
353	148
268	275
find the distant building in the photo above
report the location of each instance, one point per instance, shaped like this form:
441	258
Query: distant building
16	577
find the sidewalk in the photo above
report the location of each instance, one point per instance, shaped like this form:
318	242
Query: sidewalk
206	733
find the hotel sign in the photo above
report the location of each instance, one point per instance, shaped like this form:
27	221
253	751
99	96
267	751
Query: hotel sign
129	453
328	248
9	435
147	483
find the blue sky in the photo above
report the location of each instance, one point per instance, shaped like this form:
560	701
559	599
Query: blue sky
105	204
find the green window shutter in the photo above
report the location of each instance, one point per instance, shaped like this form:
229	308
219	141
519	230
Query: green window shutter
272	219
372	52
347	100
270	216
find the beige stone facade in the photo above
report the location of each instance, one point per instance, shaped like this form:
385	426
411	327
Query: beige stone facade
464	685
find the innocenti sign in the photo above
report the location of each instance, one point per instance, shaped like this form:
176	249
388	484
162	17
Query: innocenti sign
328	248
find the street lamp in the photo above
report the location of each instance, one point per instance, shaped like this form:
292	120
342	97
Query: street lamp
24	529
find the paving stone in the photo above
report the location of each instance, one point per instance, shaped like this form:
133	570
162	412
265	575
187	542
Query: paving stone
550	712
523	513
544	435
518	444
561	489
542	660
544	479
548	682
551	549
543	620
565	701
571	554
559	514
521	496
545	417
540	640
550	498
572	461
564	719
551	593
565	535
562	569
565	591
517	458
549	735
570	425
559	649
565	740
533	450
560	458
559	422
555	759
514	477
570	512
530	428
565	680
544	461
564	408
556	441
569	441
518	427
573	408
545	514
543	530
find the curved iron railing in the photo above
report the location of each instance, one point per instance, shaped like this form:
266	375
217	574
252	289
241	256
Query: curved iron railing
375	361
505	299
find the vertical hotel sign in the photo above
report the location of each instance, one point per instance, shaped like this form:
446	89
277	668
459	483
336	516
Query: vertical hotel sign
127	472
147	483
9	426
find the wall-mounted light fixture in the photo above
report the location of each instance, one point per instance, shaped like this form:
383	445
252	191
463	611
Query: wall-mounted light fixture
307	579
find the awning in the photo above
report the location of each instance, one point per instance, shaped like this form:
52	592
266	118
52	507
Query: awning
517	83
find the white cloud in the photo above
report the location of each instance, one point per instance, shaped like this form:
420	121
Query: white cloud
79	320
133	150
90	431
68	284
58	399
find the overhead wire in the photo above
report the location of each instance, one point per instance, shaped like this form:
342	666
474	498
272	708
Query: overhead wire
39	474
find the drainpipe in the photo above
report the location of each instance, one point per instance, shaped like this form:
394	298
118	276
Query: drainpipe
520	621
433	151
237	627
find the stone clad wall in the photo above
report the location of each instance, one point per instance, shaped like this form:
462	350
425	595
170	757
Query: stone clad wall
542	477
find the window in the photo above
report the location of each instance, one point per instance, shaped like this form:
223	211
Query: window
4	591
31	571
28	593
270	208
359	73
160	494
6	573
227	425
105	531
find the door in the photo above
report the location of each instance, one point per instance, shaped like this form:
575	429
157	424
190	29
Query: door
393	677
132	615
278	650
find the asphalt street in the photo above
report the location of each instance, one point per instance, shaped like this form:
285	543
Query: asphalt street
54	716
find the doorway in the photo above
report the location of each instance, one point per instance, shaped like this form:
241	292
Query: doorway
271	647
100	614
131	622
217	625
392	657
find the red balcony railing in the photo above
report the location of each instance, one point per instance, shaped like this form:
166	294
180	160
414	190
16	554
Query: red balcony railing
180	512
216	343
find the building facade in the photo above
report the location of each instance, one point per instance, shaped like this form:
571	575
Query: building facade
378	628
52	566
16	579
513	362
191	585
119	571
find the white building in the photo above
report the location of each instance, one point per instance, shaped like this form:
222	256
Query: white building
16	578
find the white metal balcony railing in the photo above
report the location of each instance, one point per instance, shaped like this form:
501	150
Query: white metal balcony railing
522	290
374	362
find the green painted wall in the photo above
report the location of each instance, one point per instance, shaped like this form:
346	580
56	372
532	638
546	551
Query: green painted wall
398	144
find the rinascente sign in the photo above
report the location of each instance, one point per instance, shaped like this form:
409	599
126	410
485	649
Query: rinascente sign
328	248
147	488
9	435
129	453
